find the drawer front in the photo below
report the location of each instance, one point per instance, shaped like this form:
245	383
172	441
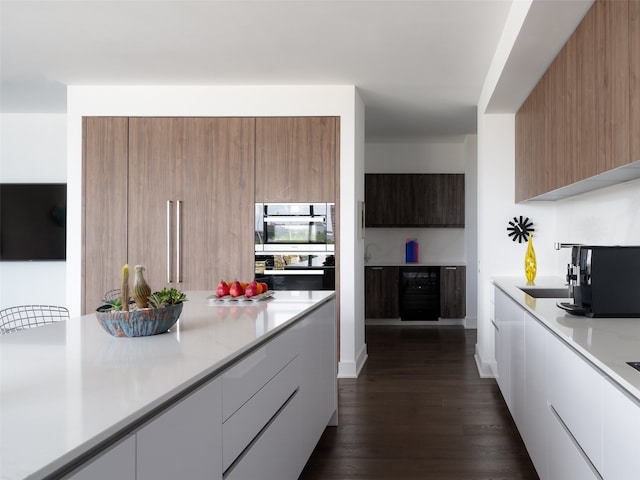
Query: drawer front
566	459
621	435
246	378
239	430
575	393
276	453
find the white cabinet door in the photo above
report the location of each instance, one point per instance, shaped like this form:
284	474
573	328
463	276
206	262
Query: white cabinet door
502	344
535	427
575	393
621	440
516	362
118	462
186	440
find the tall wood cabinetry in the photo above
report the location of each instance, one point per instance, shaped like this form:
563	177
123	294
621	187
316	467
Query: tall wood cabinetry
104	206
296	159
583	116
183	202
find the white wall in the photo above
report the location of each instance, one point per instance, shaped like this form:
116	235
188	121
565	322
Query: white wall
497	253
446	245
342	101
33	150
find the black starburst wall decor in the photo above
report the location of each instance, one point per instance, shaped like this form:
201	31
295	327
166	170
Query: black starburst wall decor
520	228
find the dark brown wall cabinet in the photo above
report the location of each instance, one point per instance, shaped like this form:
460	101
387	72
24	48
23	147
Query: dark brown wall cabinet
453	292
583	116
381	286
414	200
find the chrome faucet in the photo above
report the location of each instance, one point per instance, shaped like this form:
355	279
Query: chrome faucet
572	268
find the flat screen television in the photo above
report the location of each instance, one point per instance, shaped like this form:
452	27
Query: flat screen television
33	221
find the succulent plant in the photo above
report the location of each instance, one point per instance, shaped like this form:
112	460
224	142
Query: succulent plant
166	297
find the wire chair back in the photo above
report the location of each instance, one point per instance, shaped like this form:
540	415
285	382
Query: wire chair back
27	316
111	295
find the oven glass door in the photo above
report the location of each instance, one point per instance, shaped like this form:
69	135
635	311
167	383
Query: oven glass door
295	226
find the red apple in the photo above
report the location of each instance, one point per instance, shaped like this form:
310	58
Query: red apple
265	287
236	289
251	290
222	290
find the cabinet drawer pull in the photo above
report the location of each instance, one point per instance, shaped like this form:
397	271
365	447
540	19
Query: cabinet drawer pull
377	268
495	325
450	268
178	235
169	202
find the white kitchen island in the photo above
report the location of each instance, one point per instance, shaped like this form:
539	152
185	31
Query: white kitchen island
232	388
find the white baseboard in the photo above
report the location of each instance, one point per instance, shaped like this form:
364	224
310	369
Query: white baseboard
353	369
485	369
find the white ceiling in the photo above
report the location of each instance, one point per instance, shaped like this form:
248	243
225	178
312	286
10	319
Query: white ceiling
419	64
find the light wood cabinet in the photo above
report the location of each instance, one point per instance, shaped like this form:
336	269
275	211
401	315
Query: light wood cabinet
453	292
296	159
104	206
612	83
414	200
382	292
582	141
173	194
199	214
634	79
583	116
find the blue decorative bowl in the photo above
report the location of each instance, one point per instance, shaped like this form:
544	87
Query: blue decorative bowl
139	323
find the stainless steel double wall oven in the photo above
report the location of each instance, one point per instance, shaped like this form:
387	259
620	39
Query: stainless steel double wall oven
296	242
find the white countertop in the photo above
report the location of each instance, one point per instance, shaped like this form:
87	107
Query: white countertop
383	263
66	387
608	343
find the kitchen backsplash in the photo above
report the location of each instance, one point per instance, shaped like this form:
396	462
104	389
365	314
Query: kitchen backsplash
438	245
609	216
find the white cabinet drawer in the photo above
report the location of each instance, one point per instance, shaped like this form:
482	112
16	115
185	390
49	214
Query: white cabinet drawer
118	462
184	441
247	377
239	430
621	439
575	393
566	460
277	453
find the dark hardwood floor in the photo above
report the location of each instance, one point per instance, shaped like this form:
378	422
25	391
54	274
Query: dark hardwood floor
419	410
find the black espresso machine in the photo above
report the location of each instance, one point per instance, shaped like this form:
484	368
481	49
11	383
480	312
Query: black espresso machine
604	281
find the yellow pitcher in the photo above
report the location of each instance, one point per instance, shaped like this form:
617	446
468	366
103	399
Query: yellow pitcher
530	266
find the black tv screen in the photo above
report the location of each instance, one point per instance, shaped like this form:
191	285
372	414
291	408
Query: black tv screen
33	221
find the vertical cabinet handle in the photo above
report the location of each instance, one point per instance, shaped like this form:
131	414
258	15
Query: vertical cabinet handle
169	202
178	235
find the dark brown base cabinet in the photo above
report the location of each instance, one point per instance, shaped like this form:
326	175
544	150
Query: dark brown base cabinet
453	292
381	292
414	200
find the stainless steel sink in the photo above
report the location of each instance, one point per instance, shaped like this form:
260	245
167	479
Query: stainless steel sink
546	292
